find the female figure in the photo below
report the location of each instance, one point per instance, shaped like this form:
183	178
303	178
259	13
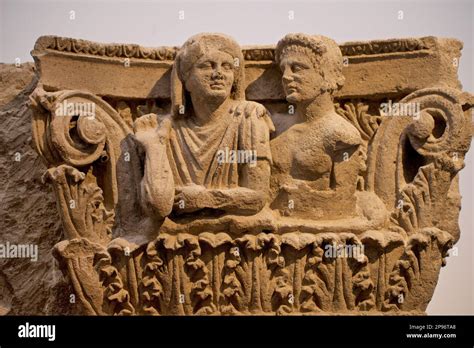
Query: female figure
212	154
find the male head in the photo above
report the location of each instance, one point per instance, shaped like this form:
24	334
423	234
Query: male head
311	66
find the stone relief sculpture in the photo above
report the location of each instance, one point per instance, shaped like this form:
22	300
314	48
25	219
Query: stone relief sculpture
192	158
215	179
321	171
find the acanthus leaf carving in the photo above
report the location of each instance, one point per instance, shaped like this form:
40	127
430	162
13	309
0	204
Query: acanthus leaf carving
411	283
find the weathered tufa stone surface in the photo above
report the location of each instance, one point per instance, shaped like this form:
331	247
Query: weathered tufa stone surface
304	178
28	213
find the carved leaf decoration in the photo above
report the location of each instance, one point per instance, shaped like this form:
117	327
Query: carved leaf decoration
358	116
413	280
201	294
80	205
150	287
327	283
315	293
115	295
231	289
79	258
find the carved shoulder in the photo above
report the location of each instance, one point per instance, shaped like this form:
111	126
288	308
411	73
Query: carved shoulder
282	121
340	134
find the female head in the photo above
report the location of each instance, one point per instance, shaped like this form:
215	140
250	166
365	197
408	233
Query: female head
311	66
209	66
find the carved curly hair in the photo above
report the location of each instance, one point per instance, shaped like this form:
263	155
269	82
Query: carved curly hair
324	53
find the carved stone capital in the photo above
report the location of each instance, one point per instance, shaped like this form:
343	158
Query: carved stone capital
178	196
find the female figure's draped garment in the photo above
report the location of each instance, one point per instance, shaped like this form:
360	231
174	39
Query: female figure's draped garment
193	149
